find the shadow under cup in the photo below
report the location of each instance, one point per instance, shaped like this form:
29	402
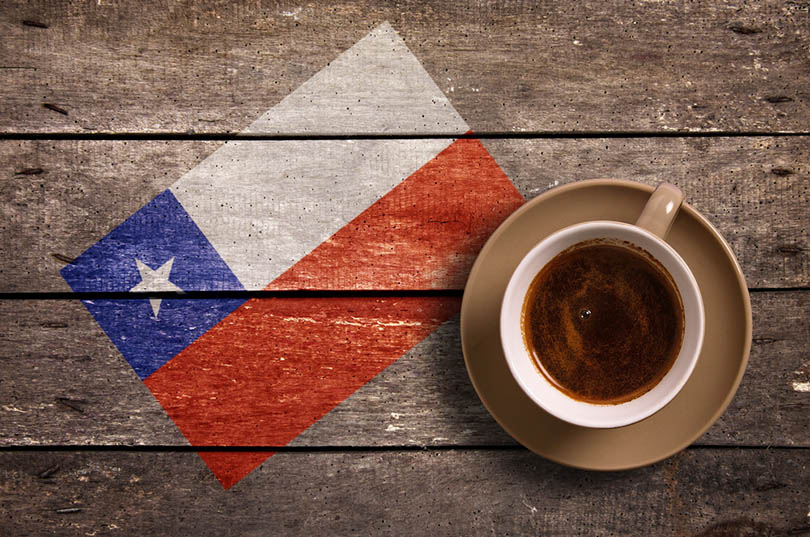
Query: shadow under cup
545	394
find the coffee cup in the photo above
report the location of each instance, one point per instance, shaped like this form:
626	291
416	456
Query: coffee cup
624	319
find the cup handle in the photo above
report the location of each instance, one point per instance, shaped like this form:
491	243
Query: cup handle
661	209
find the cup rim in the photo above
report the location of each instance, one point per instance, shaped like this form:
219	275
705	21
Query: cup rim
662	401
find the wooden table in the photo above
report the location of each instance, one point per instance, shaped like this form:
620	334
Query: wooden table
106	105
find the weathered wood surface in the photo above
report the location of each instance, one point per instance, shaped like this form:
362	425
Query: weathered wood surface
60	197
79	67
76	68
62	382
700	492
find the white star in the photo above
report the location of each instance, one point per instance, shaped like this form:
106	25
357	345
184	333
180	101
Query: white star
155	281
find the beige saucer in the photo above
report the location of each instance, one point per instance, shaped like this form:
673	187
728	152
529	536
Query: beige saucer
704	397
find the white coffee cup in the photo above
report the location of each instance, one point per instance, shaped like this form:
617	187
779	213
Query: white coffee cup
648	233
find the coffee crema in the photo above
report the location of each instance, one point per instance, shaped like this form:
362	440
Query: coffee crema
603	321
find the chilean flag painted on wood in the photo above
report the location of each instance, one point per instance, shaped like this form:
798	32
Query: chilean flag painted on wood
301	214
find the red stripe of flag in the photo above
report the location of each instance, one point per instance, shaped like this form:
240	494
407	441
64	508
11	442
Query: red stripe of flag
275	366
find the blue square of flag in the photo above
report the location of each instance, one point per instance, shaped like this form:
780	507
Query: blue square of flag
159	248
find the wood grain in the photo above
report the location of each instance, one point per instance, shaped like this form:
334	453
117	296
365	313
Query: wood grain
62	382
77	67
701	492
60	197
387	459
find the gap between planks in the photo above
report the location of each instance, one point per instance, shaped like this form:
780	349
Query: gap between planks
302	293
483	135
330	449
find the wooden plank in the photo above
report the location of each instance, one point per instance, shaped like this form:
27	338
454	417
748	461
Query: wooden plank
745	186
64	383
701	492
60	197
507	67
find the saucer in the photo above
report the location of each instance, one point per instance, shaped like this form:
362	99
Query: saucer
702	400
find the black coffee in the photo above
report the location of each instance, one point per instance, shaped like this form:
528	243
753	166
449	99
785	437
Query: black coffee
603	321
